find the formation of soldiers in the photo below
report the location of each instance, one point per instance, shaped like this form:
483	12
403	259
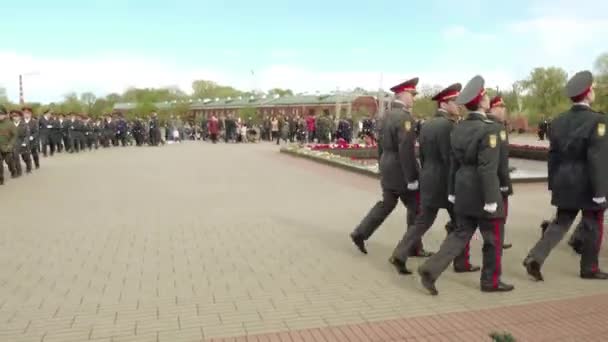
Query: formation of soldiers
23	137
463	167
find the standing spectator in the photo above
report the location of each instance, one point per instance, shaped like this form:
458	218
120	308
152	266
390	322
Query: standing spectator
213	127
310	127
274	133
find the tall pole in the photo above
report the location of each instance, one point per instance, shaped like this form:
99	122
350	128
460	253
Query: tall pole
21	100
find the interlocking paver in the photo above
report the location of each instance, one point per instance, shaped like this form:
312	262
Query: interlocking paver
230	239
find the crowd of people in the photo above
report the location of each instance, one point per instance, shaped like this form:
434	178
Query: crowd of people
463	167
24	138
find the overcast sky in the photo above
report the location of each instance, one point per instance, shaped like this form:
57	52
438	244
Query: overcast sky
108	46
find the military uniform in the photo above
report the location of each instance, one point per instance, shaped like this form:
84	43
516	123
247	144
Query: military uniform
506	186
434	153
8	136
45	127
475	184
73	127
398	171
577	168
21	148
34	139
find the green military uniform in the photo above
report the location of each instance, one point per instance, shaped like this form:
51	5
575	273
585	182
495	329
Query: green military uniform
8	136
21	148
475	184
577	166
435	154
398	169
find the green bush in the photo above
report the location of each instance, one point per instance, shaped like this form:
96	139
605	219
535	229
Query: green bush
502	337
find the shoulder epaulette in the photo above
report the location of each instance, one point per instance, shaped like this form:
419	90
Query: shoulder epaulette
488	121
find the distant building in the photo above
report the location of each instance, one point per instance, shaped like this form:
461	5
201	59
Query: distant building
273	105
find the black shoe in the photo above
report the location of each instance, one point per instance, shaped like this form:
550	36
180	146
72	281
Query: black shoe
599	275
399	266
428	283
359	242
502	287
507	245
469	269
421	254
577	245
533	269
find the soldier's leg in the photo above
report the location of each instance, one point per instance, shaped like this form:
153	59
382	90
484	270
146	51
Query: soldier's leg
17	164
553	235
374	218
27	159
452	246
462	262
424	221
411	199
44	141
592	235
506	206
2	158
576	239
492	232
35	156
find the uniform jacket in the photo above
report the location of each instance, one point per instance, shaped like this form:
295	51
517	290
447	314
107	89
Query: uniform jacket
578	158
45	126
22	144
435	155
34	137
503	166
474	168
398	164
8	135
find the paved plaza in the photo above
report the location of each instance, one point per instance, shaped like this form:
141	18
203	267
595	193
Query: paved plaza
196	241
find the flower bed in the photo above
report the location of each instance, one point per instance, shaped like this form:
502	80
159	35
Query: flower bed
529	152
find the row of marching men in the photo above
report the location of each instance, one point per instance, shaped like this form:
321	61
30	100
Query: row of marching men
23	137
463	168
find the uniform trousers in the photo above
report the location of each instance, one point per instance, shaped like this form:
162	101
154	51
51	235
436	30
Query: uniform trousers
6	157
383	208
34	147
456	241
17	163
413	236
590	234
46	141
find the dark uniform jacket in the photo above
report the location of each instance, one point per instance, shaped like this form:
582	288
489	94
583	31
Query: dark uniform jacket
578	158
398	164
503	166
435	154
34	138
21	143
474	168
45	126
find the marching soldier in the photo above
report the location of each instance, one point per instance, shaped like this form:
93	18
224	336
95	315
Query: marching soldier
577	168
8	137
398	168
474	188
497	114
72	127
434	154
21	148
34	135
89	133
46	130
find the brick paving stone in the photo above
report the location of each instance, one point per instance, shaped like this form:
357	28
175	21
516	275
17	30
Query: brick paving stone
157	240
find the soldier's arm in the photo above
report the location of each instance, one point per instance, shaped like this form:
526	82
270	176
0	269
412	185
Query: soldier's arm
597	155
488	155
13	136
503	163
454	166
444	143
407	150
553	161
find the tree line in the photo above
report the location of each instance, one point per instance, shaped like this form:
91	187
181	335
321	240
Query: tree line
541	94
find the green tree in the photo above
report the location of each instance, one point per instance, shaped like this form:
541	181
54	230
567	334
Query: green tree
71	104
280	92
249	112
545	92
601	81
88	100
142	109
3	97
202	89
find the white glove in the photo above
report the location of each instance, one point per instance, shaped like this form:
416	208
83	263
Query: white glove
31	138
490	207
504	189
599	200
452	199
413	185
